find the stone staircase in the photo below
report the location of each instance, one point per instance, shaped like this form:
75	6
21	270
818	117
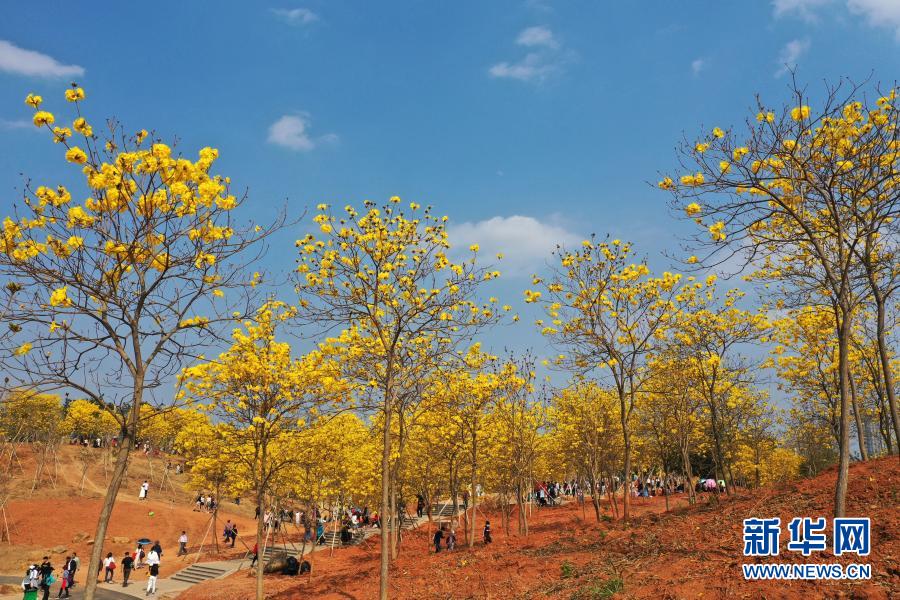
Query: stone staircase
197	573
442	511
272	551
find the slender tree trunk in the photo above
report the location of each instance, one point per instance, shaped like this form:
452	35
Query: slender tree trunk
611	492
860	433
396	520
385	496
666	488
626	439
887	373
260	501
718	457
112	491
595	496
521	501
473	482
840	492
688	474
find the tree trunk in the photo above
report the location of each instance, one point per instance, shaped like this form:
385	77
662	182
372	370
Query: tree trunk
474	478
626	494
385	497
666	488
396	520
860	433
595	496
521	501
718	458
626	459
129	429
887	374
611	492
688	474
840	492
260	551
260	501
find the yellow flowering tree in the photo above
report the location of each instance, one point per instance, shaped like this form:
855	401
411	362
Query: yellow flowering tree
669	413
114	292
586	430
263	395
709	333
515	422
798	198
87	418
28	416
386	272
606	314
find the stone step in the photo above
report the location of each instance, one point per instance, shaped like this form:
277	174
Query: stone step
198	573
204	569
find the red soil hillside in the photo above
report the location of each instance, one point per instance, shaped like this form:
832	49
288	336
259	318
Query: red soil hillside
691	552
57	518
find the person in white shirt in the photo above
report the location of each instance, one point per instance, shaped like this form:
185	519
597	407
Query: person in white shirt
153	563
182	543
145	490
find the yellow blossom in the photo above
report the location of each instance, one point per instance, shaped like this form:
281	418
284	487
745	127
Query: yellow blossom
799	113
76	155
75	94
42	118
60	297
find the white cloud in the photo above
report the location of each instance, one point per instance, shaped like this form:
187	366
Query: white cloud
531	68
878	13
34	64
805	9
790	54
697	65
537	36
526	243
545	57
17	124
296	16
292	131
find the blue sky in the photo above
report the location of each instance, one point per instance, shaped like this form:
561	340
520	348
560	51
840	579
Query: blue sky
558	114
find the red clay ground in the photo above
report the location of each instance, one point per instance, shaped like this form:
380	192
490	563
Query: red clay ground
48	521
691	552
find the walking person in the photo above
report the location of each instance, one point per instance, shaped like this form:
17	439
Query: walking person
127	566
487	532
182	544
47	579
64	582
31	582
72	565
438	536
451	539
145	491
153	562
109	566
255	555
226	534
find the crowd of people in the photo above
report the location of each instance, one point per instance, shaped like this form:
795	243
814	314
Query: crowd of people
205	503
41	578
